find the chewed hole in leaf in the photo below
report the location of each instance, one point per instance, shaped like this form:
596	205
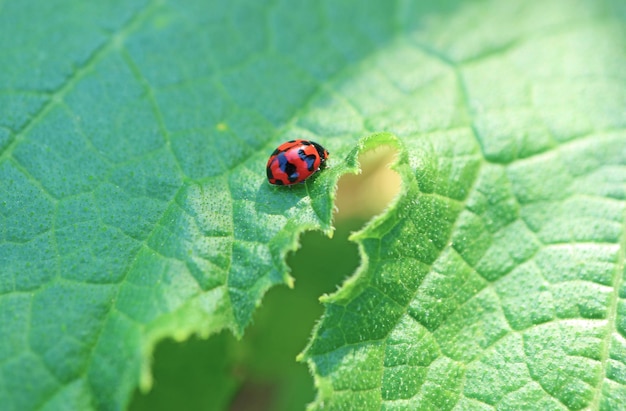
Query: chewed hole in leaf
367	194
260	371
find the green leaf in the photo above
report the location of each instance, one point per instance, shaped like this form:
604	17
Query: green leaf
496	279
134	206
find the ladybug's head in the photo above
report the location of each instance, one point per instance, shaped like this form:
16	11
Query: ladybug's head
323	153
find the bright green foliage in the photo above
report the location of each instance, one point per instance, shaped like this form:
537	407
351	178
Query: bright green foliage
133	200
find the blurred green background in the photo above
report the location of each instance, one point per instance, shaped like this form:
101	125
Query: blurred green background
260	372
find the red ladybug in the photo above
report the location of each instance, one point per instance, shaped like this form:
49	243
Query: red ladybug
295	161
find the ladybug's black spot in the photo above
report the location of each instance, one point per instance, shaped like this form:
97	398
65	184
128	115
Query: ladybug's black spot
292	173
275	152
270	175
287	168
308	159
291	141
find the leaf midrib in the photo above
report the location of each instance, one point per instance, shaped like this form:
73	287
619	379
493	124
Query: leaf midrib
616	283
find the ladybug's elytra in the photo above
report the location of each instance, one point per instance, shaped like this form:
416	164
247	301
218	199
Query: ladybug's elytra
295	161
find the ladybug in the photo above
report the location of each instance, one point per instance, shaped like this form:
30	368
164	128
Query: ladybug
295	161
